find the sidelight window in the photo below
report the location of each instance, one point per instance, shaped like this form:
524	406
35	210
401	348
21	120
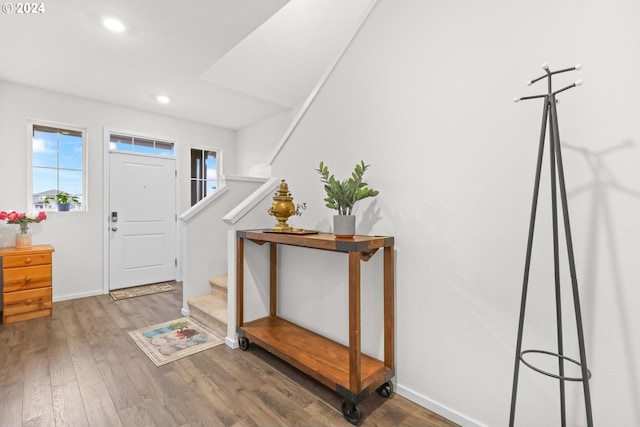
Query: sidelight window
204	174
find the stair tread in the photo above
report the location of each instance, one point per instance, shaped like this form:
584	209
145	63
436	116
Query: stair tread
219	281
210	305
211	308
208	300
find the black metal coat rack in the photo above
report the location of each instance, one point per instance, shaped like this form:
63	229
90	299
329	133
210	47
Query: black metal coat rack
550	123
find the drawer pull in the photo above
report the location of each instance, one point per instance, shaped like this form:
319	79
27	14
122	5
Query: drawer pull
27	279
29	301
27	261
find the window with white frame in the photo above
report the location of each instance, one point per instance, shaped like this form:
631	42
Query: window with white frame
204	173
57	165
141	145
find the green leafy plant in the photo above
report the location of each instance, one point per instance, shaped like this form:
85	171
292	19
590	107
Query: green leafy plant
61	198
343	195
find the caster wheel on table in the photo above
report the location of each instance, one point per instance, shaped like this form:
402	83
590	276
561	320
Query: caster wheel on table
352	412
243	342
385	389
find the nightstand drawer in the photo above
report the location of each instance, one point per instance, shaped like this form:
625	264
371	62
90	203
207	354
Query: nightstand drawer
37	301
21	279
26	283
28	260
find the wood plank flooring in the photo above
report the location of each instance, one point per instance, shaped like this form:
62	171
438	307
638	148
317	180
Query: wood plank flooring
80	368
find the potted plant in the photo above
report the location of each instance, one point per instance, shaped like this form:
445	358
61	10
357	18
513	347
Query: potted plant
63	200
343	195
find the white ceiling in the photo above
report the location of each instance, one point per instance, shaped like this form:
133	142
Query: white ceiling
227	63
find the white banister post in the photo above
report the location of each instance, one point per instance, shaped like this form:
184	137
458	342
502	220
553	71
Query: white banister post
232	337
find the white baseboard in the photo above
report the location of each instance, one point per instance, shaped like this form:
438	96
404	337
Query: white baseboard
438	408
76	296
233	343
185	312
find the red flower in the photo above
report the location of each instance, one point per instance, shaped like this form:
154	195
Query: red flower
23	219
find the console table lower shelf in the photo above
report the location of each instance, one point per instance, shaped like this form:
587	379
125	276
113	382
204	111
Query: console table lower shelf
322	359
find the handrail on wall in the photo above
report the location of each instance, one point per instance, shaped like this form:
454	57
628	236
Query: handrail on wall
236	214
318	86
194	210
245	207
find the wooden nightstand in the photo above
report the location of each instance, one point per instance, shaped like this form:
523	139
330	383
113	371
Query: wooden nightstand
26	283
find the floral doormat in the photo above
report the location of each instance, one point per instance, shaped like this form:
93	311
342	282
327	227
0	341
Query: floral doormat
140	291
169	341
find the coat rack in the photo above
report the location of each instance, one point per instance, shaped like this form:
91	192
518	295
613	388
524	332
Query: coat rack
550	123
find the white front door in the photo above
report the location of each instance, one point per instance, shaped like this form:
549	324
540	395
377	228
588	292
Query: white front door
142	220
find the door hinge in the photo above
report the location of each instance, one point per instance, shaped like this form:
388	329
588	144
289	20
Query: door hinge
176	215
175	261
175	173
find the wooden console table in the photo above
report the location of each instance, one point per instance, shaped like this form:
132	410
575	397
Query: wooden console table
26	283
343	368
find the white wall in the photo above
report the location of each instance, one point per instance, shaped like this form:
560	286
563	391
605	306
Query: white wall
255	143
424	95
78	236
204	237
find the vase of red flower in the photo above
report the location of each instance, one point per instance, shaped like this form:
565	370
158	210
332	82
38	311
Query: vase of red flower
23	219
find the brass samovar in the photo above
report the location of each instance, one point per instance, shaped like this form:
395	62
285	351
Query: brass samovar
282	207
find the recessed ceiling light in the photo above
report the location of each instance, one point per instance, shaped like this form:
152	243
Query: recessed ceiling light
114	25
163	99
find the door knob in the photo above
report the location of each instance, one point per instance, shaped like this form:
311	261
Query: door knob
114	228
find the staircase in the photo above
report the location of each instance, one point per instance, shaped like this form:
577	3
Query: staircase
211	309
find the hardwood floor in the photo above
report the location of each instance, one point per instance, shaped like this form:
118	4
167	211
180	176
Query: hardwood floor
80	368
